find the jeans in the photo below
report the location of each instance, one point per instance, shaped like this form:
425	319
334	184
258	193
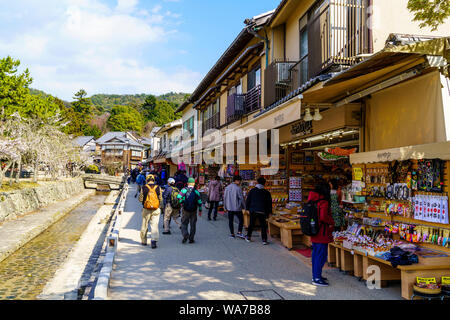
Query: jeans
186	219
213	205
240	217
318	258
262	222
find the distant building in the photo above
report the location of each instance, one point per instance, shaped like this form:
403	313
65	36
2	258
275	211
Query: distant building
121	147
87	144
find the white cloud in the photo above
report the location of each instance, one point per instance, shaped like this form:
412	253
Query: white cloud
126	5
75	44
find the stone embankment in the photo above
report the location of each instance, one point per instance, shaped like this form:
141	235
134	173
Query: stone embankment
18	203
25	214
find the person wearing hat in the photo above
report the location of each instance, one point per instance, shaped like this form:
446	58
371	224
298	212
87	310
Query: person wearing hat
151	198
171	204
190	201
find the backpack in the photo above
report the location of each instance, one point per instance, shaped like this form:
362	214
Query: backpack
309	221
174	201
190	204
152	200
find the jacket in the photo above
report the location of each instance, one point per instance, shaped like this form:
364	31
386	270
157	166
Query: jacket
167	194
182	197
259	200
141	179
214	190
326	222
144	193
233	198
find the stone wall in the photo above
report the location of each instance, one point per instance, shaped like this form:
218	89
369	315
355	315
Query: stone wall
18	203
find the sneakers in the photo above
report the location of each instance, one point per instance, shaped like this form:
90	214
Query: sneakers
240	235
144	243
167	232
184	240
248	239
154	245
320	283
265	243
232	236
191	241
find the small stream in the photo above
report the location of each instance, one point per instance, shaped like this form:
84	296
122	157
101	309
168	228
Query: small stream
24	274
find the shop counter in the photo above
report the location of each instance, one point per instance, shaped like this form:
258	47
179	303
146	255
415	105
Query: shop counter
288	233
356	262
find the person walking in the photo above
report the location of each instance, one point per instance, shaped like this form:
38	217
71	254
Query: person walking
190	201
181	180
234	203
151	198
321	195
140	180
215	190
259	203
171	205
335	204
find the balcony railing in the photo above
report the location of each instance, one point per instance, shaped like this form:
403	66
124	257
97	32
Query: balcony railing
211	123
239	105
337	34
281	77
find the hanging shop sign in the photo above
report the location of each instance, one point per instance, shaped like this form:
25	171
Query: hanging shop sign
302	128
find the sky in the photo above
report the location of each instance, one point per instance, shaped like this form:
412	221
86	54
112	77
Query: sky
121	46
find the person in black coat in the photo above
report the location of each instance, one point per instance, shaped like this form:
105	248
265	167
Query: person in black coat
259	203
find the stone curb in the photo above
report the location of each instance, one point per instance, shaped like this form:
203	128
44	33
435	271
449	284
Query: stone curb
44	226
101	288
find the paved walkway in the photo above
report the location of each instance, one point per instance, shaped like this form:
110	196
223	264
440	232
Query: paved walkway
217	267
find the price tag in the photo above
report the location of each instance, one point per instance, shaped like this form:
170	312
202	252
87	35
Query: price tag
426	280
446	280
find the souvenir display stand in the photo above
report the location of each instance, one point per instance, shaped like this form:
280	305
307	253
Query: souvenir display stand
398	199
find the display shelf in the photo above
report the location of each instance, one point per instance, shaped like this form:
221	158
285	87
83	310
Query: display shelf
400	219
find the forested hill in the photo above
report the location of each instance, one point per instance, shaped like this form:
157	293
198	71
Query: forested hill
105	102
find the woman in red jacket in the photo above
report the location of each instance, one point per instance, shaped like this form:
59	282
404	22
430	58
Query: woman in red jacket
320	242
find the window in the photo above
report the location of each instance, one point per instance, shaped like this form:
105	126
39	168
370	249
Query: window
254	78
210	116
136	153
188	126
303	50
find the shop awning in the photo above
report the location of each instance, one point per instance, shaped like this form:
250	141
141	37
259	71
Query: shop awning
440	150
380	67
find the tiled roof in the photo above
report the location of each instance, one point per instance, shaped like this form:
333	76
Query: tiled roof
82	141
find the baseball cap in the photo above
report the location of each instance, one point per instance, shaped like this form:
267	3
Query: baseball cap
191	180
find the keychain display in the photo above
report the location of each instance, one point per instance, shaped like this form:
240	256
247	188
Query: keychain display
430	175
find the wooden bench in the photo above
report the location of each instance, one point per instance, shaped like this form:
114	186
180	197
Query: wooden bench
288	233
356	262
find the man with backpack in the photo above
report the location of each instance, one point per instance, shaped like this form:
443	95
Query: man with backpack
171	204
190	200
140	180
259	203
151	198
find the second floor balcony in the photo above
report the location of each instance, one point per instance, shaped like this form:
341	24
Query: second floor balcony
334	38
239	105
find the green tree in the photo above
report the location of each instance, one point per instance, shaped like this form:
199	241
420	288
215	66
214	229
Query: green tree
430	13
124	118
149	106
92	131
13	86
